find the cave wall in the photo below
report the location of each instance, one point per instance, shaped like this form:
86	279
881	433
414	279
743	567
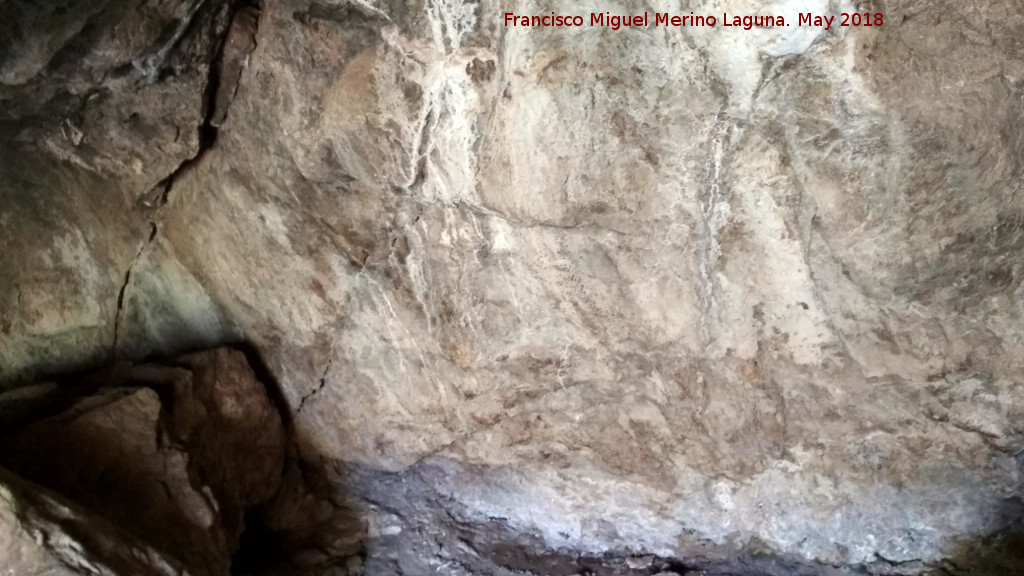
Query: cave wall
649	289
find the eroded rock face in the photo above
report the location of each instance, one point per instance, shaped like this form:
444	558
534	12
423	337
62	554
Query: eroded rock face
174	454
680	292
21	553
45	534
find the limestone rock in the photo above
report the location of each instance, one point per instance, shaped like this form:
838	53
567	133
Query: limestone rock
21	553
176	458
43	534
680	292
102	100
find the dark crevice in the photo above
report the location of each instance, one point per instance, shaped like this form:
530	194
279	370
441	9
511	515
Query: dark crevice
266	376
208	130
314	392
122	293
259	546
217	97
896	563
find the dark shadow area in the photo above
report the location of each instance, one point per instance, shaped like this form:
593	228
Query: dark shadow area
258	547
998	554
194	456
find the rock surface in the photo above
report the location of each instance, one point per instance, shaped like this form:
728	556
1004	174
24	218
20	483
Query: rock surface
684	292
175	455
21	553
43	534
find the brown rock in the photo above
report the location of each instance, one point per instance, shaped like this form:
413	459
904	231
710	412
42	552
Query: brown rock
43	533
193	462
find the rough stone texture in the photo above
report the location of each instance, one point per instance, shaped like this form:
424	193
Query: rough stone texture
670	292
178	471
21	553
87	136
43	534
